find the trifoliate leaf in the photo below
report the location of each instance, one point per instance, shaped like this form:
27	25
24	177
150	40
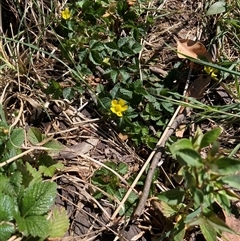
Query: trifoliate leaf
38	198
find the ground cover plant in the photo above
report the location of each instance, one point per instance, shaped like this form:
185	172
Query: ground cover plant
119	120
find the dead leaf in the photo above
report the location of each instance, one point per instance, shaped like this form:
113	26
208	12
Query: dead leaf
234	224
180	130
198	87
123	137
70	152
193	49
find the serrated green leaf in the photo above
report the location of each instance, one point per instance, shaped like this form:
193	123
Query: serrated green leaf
6	230
7	208
37	226
54	145
59	223
34	135
37	176
172	197
50	171
216	8
189	157
122	168
210	137
17	137
208	232
38	198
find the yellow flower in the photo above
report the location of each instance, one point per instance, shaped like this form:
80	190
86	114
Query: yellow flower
211	71
66	14
118	107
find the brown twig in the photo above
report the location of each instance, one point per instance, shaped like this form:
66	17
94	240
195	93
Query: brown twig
158	154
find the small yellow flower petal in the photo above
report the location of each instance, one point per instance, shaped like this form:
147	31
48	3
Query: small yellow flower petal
66	14
211	71
114	102
118	107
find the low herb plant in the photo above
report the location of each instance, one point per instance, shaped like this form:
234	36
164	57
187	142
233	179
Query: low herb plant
108	183
26	195
207	181
105	37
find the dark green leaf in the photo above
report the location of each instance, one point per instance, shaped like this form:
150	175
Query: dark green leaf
233	180
34	225
95	58
7	208
172	197
189	157
34	135
6	231
198	196
180	144
226	166
38	198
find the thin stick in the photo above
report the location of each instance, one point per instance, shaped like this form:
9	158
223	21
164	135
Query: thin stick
16	157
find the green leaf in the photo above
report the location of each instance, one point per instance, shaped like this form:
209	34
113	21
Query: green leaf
232	181
37	176
217	223
68	93
50	171
225	165
54	145
17	137
168	210
95	58
216	8
38	198
59	222
198	196
122	168
6	230
172	197
7	208
179	231
210	137
189	157
37	226
34	135
208	232
180	144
